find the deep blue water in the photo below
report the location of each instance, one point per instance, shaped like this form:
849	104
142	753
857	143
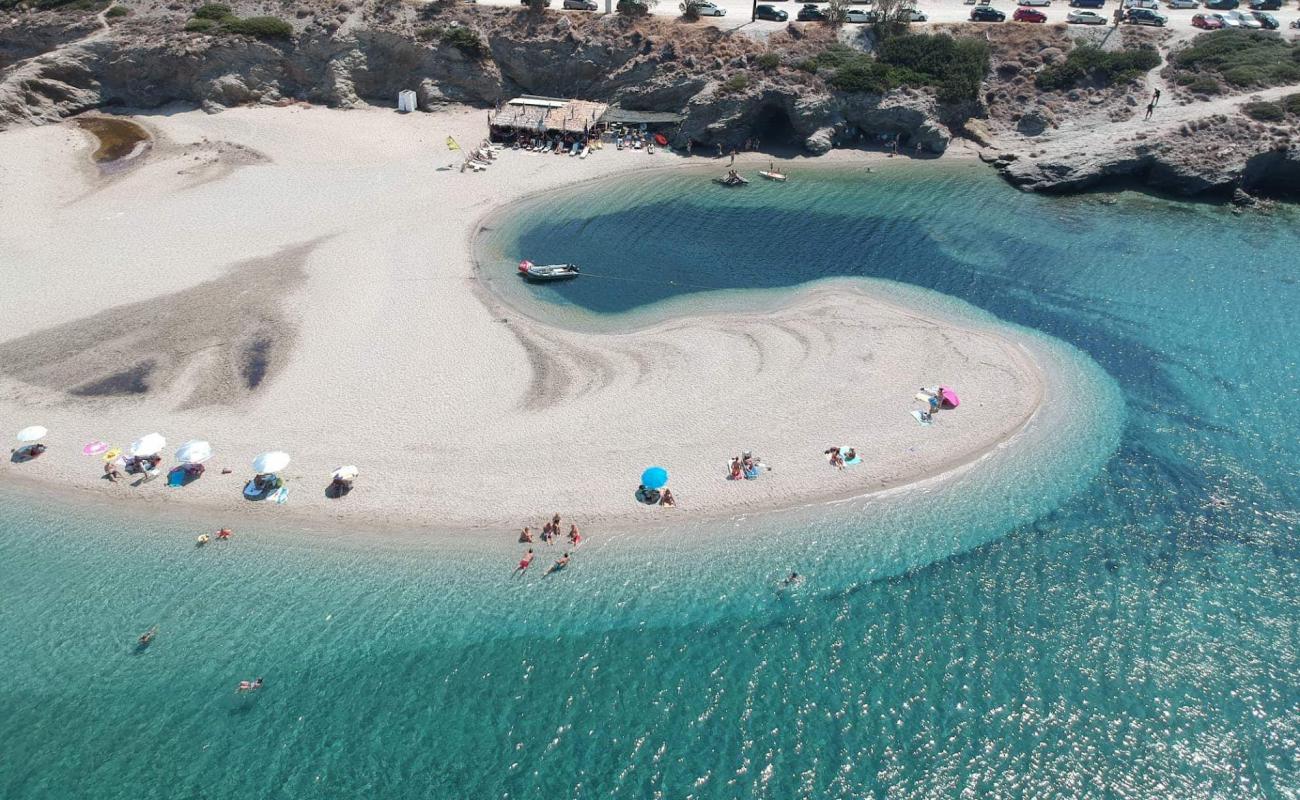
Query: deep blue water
1079	620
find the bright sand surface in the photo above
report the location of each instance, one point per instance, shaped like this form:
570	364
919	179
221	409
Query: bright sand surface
321	258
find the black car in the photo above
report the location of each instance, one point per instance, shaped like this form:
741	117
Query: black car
986	14
771	13
1222	5
810	13
1269	21
1265	5
1087	3
1145	16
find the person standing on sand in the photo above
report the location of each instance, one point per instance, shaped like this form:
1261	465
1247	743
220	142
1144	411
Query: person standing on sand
732	163
1151	107
1155	98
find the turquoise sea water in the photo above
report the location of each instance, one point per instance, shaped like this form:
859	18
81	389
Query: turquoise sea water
1073	618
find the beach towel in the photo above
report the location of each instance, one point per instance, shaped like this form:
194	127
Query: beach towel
176	478
917	416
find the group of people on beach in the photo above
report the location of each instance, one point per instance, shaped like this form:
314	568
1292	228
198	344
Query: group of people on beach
839	457
550	534
745	467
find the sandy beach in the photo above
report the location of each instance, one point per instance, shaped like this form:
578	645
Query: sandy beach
301	279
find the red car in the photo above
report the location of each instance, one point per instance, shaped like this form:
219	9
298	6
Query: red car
1210	22
1024	14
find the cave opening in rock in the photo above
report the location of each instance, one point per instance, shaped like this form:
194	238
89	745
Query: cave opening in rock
774	130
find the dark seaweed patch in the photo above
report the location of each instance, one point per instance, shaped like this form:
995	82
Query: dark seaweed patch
134	380
256	358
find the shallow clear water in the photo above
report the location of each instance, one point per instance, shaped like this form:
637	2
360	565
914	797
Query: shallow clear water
1092	626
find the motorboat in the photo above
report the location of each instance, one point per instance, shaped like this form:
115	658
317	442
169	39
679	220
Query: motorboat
547	272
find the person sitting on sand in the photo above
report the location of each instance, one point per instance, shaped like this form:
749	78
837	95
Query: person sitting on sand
667	499
560	563
837	460
526	535
110	471
736	471
850	454
575	538
524	563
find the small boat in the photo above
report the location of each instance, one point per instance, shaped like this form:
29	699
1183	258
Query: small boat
547	272
772	176
661	140
732	180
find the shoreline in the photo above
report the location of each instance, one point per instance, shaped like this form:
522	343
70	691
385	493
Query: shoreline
370	507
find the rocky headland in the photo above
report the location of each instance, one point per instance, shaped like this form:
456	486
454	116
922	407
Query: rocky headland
805	87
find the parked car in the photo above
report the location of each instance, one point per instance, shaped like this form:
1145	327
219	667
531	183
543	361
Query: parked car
1024	14
706	9
1266	5
1266	21
1184	4
986	14
579	5
1085	18
1243	20
914	15
546	3
770	13
1295	23
1087	3
859	17
1221	5
1225	21
1209	22
1145	16
810	13
1151	4
1033	2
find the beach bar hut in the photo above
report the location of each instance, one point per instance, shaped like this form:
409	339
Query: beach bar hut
406	101
531	114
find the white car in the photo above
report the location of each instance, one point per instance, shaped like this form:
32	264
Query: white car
1085	18
1244	20
1183	4
707	10
914	15
1151	4
1228	22
860	17
1033	2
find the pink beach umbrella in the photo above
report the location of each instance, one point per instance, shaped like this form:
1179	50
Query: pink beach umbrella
948	397
94	448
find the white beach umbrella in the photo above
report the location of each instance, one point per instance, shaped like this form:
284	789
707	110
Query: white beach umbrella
194	452
147	445
347	473
274	461
32	433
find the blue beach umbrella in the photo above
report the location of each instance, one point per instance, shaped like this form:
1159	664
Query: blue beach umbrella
654	478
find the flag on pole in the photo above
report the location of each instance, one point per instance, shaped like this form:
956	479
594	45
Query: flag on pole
451	144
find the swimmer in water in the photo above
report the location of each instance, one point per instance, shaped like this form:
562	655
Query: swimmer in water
560	563
793	579
524	563
249	686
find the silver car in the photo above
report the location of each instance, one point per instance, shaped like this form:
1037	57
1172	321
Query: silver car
1085	18
1183	4
579	5
1033	2
710	10
1244	20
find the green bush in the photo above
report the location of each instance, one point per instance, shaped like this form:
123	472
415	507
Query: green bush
1203	84
464	40
769	61
198	25
1090	63
213	11
1242	58
1291	103
955	67
736	83
262	27
1265	112
116	12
